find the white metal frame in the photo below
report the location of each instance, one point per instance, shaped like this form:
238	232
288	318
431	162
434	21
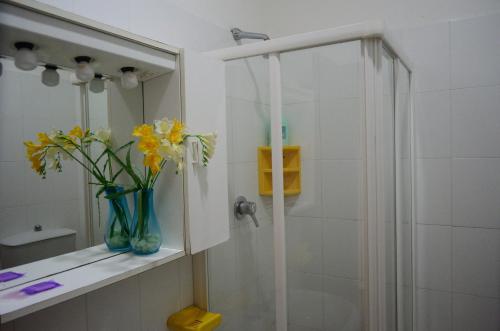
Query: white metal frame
374	37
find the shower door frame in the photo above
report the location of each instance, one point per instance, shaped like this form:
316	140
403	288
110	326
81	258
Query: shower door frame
374	39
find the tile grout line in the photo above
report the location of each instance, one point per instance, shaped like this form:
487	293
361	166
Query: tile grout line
451	133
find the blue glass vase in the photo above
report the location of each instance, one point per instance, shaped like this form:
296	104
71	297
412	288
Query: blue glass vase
117	235
146	235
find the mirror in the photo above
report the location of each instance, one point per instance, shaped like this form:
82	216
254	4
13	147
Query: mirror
60	207
52	224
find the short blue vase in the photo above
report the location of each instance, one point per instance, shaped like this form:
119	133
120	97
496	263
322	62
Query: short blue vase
117	235
146	234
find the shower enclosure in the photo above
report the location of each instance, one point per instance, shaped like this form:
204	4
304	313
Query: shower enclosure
337	255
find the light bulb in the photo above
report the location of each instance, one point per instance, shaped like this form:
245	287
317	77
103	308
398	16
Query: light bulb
50	77
129	78
25	58
97	84
84	70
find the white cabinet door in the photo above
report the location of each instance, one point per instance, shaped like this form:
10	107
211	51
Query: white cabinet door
206	197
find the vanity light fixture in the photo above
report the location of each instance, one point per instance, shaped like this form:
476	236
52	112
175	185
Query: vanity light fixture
129	78
84	70
50	76
97	84
25	58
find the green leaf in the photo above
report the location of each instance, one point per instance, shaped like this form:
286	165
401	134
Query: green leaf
116	175
119	194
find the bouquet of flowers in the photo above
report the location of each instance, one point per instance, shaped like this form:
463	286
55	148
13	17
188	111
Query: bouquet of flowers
159	143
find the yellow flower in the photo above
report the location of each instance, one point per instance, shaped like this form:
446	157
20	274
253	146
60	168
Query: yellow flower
36	164
143	130
32	148
176	133
44	139
153	160
149	144
76	132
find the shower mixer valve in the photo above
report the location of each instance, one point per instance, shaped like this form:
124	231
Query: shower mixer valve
243	207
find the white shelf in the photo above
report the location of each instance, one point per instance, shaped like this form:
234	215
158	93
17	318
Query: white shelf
57	264
79	281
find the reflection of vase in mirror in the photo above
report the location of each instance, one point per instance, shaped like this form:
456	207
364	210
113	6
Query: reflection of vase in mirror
146	234
118	224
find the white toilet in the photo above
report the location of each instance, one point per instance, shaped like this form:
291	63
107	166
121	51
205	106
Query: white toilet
35	245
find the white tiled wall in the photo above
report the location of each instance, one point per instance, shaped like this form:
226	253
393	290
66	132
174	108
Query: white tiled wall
458	173
27	107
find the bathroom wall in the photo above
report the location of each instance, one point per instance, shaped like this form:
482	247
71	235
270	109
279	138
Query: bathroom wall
25	198
458	173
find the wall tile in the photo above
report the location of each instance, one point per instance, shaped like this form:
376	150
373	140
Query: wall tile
303	244
340	128
305	299
11	138
250	121
13	220
10	91
303	127
476	122
99	11
341	248
248	79
429	49
12	189
342	304
475	313
222	272
299	76
156	285
433	122
474	51
433	310
476	261
476	192
339	71
434	257
433	191
341	189
115	307
56	318
309	203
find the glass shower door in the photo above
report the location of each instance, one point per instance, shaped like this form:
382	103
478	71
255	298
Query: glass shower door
323	107
241	270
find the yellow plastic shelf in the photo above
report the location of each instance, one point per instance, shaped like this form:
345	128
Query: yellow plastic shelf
291	170
194	319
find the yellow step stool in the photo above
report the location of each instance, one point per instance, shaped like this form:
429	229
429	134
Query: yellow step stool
194	319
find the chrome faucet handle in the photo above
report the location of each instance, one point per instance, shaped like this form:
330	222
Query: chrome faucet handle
243	207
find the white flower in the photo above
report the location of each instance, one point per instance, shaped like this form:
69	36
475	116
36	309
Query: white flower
163	126
210	142
103	135
173	152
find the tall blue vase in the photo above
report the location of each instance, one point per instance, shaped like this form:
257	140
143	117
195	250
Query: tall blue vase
117	235
146	234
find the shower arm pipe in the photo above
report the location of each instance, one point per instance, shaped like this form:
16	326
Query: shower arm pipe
358	31
238	34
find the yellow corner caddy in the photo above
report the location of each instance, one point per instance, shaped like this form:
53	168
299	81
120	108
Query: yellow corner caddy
194	319
291	170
